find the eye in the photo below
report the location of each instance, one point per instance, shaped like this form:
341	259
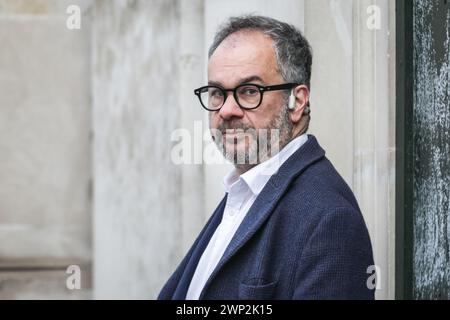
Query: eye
249	91
215	92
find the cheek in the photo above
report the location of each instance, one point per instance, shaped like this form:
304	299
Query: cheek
213	120
268	113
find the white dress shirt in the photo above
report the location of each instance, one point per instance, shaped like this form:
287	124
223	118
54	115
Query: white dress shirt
242	193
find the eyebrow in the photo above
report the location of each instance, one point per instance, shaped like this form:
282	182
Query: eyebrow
241	81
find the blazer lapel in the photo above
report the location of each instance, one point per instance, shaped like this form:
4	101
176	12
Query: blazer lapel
264	204
197	251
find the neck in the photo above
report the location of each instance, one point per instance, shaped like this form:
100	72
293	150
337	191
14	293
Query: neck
297	132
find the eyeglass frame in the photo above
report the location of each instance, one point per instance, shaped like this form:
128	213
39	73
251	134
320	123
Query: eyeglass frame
262	89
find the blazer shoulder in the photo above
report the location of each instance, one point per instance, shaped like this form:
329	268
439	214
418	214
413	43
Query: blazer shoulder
323	187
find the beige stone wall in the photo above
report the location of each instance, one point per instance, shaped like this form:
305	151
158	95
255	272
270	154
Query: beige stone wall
45	201
137	189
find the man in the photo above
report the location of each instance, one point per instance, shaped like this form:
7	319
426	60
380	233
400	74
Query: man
289	227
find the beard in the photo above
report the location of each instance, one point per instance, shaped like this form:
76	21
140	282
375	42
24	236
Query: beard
246	147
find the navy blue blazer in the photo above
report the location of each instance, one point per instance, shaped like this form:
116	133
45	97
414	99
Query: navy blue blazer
303	238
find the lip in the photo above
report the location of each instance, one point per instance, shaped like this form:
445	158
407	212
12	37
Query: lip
235	137
233	132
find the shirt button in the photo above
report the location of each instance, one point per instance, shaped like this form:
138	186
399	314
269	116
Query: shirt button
233	212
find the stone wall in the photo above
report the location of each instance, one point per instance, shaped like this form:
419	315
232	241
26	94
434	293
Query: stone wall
45	150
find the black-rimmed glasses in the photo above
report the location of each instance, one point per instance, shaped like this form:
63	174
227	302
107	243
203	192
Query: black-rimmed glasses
248	96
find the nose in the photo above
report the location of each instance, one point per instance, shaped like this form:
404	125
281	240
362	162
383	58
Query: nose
230	109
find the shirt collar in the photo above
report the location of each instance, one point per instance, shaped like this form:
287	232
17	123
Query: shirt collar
257	177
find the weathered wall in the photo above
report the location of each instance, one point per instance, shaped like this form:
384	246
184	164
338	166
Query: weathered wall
137	208
44	149
431	150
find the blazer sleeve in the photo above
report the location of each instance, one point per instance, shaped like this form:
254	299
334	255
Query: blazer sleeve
335	260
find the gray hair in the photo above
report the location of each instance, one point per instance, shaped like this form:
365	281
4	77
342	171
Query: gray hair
293	52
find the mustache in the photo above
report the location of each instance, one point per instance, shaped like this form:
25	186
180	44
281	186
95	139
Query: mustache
235	125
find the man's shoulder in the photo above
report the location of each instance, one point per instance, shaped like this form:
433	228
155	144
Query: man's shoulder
319	199
321	187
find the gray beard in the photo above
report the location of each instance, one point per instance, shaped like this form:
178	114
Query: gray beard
266	142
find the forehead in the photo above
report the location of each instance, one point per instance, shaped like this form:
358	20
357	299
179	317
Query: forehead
241	55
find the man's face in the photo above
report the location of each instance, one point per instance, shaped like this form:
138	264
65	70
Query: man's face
247	57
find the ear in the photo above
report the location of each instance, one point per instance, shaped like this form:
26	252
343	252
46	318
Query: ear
301	94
